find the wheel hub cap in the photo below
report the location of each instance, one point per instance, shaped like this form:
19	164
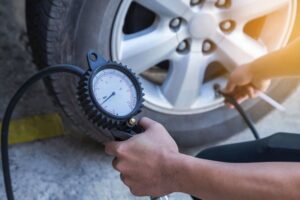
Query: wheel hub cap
202	26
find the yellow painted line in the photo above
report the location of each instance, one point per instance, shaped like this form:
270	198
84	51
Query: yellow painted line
35	128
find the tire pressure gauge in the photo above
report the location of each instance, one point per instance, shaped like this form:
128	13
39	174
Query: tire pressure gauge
110	94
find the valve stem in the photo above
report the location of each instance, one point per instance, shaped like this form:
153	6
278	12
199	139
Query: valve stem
217	89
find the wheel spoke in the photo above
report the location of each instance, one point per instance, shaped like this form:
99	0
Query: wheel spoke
143	50
237	49
169	8
185	79
247	10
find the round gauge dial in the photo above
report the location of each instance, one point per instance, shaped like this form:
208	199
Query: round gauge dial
114	92
109	93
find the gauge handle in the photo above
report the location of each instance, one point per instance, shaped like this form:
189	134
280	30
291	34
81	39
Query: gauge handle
122	135
137	129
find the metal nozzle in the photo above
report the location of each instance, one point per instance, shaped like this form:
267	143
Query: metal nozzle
132	122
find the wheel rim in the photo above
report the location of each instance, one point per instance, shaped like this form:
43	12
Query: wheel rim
209	33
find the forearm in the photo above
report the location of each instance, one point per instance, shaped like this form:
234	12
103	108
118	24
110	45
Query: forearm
282	63
214	180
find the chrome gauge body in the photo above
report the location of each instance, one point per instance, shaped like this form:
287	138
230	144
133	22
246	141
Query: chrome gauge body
109	93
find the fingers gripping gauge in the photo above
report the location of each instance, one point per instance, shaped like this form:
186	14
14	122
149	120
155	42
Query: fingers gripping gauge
110	94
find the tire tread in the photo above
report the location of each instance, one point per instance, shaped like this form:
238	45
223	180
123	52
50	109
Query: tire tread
42	19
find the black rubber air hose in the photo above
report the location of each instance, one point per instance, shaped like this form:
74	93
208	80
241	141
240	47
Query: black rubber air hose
63	68
229	98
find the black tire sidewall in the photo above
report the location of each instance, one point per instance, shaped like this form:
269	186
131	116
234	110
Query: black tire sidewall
81	28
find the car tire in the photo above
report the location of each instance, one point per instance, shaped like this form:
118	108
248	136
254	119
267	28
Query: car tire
62	31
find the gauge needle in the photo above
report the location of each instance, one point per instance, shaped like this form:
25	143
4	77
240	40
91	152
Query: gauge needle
112	94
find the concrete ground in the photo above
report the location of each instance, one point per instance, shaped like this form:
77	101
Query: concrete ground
16	63
75	167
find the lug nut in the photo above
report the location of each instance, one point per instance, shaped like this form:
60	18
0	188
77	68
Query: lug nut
227	26
221	3
182	46
195	2
208	46
175	23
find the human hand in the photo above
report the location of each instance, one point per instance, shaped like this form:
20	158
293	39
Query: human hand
143	160
244	84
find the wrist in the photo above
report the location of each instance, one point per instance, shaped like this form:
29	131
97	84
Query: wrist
191	175
179	170
172	169
259	70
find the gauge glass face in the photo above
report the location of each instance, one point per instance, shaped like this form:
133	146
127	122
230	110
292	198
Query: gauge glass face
114	92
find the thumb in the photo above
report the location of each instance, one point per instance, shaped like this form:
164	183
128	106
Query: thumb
147	123
230	87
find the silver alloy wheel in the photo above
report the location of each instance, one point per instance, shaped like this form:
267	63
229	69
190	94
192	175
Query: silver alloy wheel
189	48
